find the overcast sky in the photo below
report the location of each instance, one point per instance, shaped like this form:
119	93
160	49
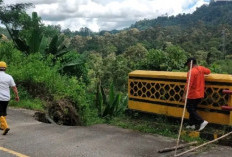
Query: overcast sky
106	14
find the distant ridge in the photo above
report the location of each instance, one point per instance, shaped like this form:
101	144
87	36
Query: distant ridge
217	12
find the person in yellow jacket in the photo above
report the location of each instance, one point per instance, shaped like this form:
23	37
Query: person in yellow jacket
6	81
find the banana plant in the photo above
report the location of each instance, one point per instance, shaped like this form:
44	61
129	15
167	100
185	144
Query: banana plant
28	36
72	63
13	17
57	47
35	37
112	105
28	39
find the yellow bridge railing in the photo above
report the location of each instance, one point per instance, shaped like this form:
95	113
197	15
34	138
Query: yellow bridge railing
161	92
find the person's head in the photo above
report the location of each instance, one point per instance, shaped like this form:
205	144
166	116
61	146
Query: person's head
3	66
188	62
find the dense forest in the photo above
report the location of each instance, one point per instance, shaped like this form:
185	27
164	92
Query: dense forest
86	72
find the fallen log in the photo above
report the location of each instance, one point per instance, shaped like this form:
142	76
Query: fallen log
179	147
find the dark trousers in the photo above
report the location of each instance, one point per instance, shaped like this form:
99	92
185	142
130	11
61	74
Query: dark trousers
3	107
194	117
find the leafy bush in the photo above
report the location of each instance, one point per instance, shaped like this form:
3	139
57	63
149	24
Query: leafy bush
74	64
155	60
222	66
172	58
41	80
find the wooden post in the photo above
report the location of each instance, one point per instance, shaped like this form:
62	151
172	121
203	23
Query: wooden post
179	147
186	97
204	144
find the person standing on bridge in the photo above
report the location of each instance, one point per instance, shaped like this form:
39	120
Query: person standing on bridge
6	81
195	93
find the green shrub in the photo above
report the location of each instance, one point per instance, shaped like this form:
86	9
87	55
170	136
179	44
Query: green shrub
222	66
40	78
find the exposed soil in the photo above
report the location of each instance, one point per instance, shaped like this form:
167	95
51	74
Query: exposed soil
61	112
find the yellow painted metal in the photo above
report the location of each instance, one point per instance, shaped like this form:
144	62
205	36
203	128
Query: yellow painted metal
179	75
212	117
205	135
157	108
194	134
215	136
191	133
161	92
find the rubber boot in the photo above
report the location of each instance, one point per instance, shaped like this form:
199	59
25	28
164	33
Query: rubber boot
1	127
4	125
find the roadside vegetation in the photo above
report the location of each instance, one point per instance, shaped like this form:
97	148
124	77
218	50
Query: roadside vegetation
80	78
152	124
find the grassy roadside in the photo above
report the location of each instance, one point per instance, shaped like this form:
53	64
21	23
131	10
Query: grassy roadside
153	124
32	104
169	127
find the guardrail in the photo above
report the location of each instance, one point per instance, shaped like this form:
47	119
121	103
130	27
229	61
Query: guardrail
161	92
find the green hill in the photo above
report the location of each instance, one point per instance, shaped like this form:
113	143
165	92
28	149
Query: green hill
213	14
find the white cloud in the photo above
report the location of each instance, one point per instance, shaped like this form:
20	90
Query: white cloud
106	14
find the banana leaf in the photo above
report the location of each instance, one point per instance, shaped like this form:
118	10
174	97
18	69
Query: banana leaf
112	93
122	106
62	52
35	41
99	100
52	48
110	108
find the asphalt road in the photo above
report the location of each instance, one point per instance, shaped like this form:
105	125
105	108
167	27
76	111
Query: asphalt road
29	137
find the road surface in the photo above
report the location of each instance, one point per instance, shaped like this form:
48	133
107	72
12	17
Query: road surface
30	138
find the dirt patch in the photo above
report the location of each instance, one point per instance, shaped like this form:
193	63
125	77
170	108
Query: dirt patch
64	113
227	141
61	112
42	117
